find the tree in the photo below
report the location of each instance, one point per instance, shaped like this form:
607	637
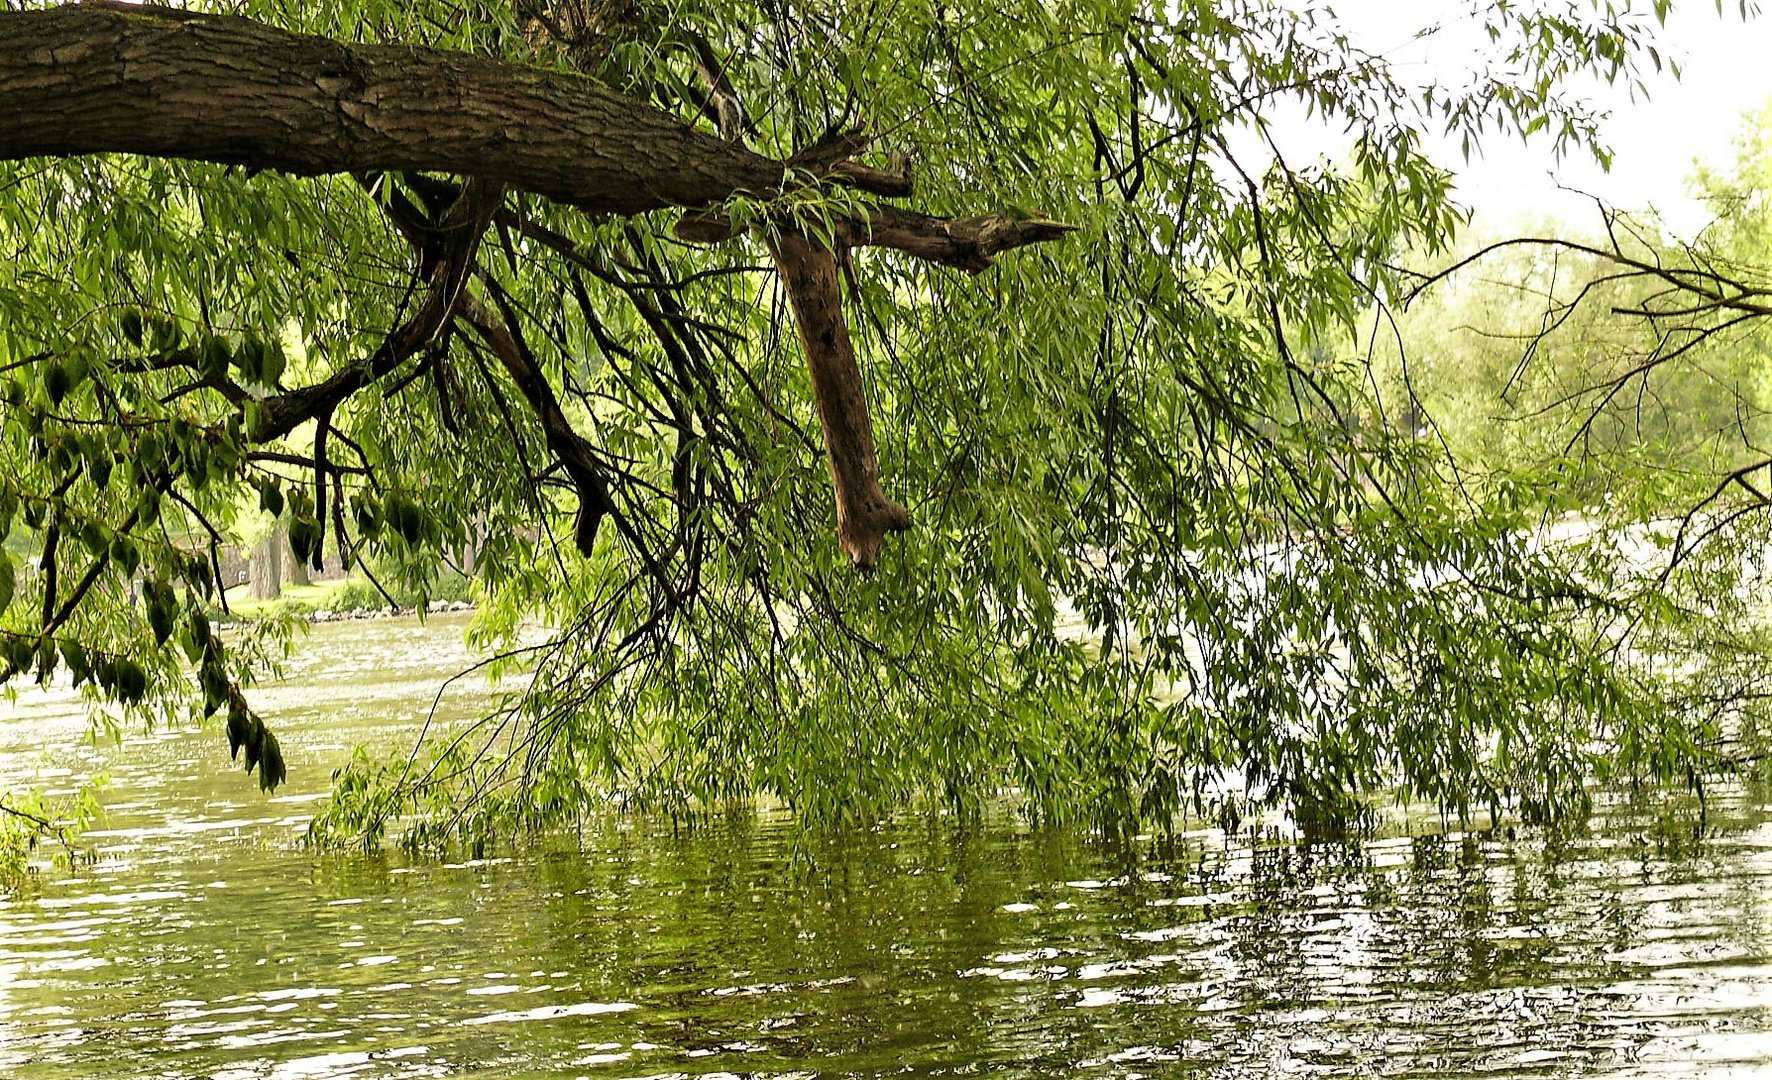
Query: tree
267	566
1532	357
410	277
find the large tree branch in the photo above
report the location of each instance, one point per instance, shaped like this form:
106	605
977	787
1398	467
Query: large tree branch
104	77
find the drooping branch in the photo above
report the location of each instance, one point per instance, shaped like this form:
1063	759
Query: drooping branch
864	514
808	273
447	262
577	456
447	248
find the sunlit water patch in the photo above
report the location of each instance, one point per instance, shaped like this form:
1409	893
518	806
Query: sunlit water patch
204	943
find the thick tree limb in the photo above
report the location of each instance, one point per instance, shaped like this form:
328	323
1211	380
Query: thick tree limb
102	77
969	244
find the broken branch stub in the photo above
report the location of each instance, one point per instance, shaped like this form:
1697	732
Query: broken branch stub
864	512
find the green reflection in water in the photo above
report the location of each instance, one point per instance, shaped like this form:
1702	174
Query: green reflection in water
204	945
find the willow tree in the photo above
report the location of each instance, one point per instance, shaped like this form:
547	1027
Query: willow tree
886	402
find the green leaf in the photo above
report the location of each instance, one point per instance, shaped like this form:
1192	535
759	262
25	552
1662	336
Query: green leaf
304	537
198	636
132	682
271	770
161	610
124	553
214	357
239	727
270	498
214	683
56	382
74	658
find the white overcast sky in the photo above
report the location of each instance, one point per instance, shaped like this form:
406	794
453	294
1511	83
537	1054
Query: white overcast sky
1726	68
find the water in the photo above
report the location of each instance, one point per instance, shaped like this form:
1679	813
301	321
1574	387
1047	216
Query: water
203	943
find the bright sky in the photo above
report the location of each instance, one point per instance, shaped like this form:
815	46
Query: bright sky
1726	72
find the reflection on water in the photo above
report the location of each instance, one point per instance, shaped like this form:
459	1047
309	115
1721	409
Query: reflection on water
203	944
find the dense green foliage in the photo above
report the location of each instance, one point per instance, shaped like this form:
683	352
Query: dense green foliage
1179	542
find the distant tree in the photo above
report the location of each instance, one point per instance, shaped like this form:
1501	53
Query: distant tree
267	565
1533	358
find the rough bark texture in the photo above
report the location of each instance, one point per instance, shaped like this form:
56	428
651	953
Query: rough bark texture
267	565
101	77
969	244
864	514
295	572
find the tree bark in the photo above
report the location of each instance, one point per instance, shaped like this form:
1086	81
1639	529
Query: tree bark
104	77
295	572
267	564
864	513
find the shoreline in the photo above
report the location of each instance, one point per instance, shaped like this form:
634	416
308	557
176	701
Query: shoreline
330	615
435	607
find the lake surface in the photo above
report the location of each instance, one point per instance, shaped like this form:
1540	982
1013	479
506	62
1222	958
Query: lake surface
205	943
